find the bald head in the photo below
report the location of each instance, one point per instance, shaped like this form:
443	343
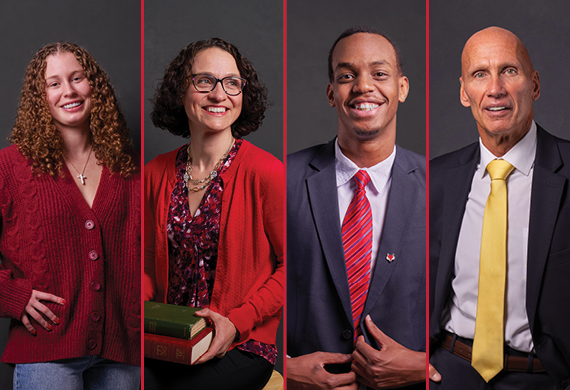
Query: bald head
493	39
500	85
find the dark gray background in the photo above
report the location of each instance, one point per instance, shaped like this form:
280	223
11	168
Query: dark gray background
108	29
544	29
312	27
254	26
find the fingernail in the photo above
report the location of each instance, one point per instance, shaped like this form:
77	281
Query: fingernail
63	301
34	332
56	321
49	327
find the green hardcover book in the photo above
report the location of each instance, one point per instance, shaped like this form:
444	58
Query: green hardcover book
172	320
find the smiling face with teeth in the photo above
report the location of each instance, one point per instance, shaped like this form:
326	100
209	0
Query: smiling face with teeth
68	93
499	83
214	110
366	88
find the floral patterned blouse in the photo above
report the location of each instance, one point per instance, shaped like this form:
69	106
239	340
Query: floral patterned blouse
193	246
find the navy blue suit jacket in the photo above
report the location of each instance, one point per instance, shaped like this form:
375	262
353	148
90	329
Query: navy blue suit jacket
548	273
319	315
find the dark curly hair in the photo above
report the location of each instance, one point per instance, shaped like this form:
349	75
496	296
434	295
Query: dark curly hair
34	130
168	112
368	30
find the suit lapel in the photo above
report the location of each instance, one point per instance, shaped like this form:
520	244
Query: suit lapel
323	198
457	187
547	189
403	196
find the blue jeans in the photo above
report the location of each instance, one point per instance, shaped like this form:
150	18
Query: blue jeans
87	372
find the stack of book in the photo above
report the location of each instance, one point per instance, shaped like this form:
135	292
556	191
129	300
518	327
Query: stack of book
174	334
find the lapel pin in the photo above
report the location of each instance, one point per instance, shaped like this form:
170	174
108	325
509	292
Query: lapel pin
390	257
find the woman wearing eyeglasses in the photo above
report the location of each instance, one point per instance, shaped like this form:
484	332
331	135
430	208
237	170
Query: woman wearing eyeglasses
214	219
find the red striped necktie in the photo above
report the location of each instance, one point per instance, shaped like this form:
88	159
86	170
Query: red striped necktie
357	243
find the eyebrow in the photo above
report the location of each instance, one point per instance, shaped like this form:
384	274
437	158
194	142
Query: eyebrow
227	75
72	73
485	66
350	65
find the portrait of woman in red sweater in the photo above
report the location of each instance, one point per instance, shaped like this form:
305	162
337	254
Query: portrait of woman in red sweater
214	219
70	230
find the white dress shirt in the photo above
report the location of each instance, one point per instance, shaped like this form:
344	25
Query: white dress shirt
462	308
376	191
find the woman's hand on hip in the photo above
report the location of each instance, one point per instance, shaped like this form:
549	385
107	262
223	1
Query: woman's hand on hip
224	334
34	307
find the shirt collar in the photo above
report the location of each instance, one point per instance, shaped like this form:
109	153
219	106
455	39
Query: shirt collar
346	168
521	156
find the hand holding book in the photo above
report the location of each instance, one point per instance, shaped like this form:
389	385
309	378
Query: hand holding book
225	334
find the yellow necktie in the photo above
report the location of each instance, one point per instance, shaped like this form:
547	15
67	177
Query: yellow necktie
488	355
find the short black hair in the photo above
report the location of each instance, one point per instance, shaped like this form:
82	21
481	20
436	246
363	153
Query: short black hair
368	30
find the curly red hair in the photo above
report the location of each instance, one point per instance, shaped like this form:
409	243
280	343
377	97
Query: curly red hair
34	130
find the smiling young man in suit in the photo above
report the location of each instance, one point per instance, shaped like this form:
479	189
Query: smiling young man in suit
356	290
499	241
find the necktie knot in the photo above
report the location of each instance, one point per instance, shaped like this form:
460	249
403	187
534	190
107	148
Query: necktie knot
361	178
499	169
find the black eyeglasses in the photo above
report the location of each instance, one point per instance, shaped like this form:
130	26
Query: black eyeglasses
231	85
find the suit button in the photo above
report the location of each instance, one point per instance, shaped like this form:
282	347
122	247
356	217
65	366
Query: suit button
89	224
347	334
93	255
95	286
95	316
92	344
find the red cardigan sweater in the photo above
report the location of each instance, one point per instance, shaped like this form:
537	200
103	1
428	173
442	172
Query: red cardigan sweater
249	274
52	241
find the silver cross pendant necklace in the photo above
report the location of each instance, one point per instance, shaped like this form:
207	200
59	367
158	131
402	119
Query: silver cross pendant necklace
81	175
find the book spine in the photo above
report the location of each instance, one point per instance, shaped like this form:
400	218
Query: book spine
169	352
168	328
176	350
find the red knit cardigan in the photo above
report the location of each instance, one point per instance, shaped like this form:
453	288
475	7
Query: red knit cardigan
52	241
248	287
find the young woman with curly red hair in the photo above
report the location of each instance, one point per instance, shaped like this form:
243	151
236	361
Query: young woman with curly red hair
70	230
214	219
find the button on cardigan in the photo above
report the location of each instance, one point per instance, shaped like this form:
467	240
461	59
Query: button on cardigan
52	241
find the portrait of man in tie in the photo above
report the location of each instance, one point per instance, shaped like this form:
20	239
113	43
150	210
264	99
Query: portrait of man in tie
356	233
499	227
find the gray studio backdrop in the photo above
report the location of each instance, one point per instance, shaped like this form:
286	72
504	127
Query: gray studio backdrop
254	26
312	27
108	29
543	28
